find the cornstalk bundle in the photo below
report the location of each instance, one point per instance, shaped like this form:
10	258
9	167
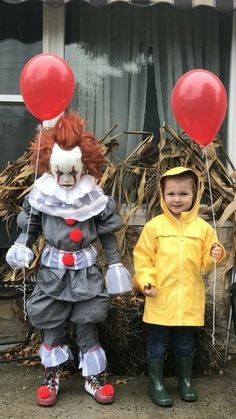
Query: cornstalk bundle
134	184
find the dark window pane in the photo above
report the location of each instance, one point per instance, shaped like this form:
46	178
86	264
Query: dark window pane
20	39
126	61
110	67
17	127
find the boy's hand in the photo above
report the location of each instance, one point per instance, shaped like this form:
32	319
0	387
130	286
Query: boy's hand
216	251
149	290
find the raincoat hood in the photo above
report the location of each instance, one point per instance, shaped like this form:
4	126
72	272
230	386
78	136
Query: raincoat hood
193	212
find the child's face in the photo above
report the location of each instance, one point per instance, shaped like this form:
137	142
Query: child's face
178	195
66	166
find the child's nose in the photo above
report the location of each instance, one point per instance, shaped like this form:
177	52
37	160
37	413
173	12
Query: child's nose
66	178
177	198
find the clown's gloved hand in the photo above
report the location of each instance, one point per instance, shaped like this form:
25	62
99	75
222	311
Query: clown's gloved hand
118	279
19	256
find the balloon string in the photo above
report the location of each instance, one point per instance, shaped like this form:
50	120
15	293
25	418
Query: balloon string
214	305
214	271
29	220
210	191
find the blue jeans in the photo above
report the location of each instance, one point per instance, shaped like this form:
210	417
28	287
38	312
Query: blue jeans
160	338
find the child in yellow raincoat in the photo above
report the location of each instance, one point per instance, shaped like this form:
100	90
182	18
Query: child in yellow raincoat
172	251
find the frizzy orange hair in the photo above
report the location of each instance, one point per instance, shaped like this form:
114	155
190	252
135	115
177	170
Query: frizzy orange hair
68	133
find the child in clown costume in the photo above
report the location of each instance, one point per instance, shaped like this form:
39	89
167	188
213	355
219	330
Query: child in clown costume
173	250
71	211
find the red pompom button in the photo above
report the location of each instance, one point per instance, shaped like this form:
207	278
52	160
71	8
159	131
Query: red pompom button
70	221
68	259
108	390
43	392
76	235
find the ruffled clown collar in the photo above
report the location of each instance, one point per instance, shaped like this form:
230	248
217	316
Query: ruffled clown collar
48	185
82	202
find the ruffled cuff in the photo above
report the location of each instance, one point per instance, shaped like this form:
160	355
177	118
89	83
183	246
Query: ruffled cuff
118	279
93	362
54	356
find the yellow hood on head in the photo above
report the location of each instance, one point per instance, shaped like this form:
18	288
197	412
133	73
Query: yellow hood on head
176	171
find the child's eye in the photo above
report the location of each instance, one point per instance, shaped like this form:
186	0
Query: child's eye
73	172
59	172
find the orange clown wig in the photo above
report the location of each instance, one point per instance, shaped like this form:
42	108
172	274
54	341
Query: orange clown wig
68	133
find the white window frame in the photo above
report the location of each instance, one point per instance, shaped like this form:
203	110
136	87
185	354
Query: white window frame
231	148
54	30
11	99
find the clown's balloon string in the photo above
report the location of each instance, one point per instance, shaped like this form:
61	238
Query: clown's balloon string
214	271
29	220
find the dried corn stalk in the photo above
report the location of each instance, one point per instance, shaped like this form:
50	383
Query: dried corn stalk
134	182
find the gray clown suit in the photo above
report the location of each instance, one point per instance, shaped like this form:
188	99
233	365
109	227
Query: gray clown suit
70	281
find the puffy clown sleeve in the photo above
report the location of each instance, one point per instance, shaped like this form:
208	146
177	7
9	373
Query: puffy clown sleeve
107	223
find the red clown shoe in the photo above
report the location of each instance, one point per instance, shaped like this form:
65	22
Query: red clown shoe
103	393
47	393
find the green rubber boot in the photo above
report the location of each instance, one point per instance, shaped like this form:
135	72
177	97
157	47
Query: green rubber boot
184	372
156	389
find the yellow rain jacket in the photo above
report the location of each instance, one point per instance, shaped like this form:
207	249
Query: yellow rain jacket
171	255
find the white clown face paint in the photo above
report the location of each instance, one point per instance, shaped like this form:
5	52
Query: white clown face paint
66	166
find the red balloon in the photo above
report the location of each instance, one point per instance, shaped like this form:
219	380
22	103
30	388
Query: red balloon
47	85
199	103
